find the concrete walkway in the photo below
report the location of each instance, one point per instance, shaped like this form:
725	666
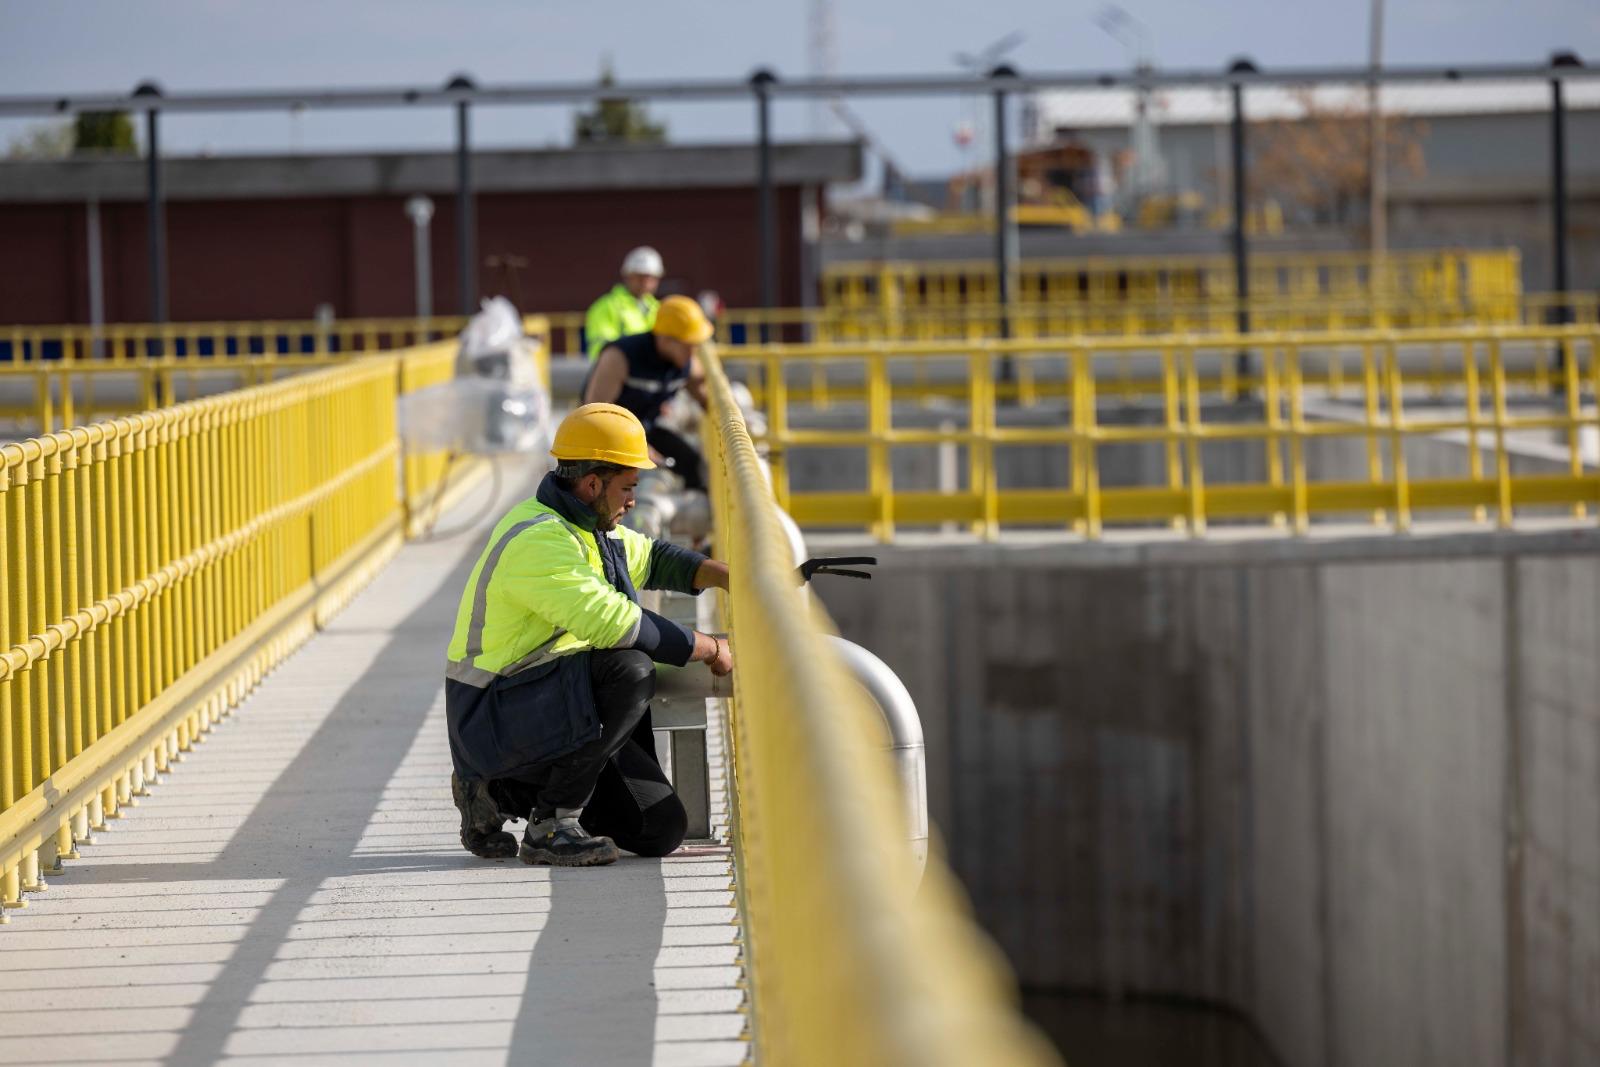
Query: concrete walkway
294	891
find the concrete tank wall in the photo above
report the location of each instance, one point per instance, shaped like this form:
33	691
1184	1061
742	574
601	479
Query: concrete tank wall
1348	786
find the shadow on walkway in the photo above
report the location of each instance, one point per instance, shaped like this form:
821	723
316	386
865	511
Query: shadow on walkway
310	821
591	995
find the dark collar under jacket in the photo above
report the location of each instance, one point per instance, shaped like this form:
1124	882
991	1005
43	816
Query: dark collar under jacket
613	556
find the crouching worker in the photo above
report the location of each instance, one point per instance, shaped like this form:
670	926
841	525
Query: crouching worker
550	672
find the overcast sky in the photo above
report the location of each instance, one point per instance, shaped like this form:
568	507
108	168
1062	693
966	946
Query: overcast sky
110	45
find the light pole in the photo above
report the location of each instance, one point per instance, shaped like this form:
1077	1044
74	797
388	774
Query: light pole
419	209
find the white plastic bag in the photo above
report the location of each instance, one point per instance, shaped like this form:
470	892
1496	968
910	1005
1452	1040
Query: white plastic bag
495	403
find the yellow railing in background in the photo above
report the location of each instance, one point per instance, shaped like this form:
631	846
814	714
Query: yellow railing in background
1435	276
977	320
850	962
284	339
289	346
37	398
53	394
157	565
1475	374
295	343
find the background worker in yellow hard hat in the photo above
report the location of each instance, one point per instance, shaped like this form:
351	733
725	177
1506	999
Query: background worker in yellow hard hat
629	306
644	371
551	666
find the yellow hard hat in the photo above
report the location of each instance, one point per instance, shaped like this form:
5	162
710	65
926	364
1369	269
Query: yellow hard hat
681	318
603	432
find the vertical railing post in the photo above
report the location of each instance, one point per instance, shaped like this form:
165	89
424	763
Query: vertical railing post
1241	249
155	212
466	223
766	223
1558	182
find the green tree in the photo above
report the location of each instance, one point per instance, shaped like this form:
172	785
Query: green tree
104	131
101	132
615	120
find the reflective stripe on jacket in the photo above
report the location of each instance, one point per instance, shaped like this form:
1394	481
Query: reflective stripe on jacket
617	314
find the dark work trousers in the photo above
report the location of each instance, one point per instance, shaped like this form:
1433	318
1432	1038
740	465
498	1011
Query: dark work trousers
616	779
687	462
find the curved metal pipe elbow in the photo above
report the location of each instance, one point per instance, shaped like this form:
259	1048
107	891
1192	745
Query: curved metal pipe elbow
797	540
907	749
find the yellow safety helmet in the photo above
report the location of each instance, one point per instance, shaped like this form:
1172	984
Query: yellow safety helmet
603	432
681	319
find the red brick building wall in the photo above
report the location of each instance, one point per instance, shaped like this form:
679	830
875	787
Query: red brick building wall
280	258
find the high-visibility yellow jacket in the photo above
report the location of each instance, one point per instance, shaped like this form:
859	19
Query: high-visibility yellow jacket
617	314
547	587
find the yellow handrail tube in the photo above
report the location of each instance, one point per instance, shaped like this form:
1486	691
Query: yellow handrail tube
850	962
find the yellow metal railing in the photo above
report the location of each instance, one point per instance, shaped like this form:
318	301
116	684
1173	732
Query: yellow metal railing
850	962
284	339
296	343
1063	318
50	394
54	394
157	565
1477	384
978	320
272	349
890	288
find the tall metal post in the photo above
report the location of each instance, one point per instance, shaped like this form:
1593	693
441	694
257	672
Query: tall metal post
466	222
1004	252
767	224
155	209
1241	181
1558	183
1377	166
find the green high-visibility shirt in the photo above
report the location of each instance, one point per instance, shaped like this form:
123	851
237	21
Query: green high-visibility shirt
617	314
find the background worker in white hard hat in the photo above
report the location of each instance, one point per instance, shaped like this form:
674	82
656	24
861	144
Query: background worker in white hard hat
551	667
643	372
630	305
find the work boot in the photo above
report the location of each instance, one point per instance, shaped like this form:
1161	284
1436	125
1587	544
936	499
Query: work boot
559	841
482	832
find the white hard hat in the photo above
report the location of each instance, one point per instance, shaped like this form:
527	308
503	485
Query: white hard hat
643	260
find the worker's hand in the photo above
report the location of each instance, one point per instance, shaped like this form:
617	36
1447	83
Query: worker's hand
714	653
722	664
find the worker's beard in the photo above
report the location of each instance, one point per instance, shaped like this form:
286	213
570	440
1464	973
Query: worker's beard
605	523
